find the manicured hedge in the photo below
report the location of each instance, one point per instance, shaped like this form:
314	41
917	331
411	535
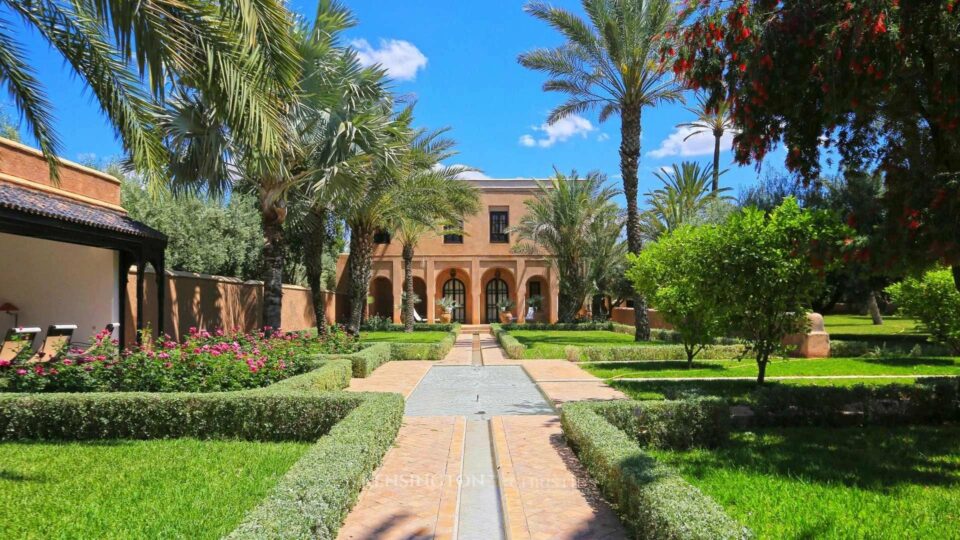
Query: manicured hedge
314	497
676	425
417	327
651	498
930	402
330	374
606	325
513	348
364	361
843	348
650	352
246	415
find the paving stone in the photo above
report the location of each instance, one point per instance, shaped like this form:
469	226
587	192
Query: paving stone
397	376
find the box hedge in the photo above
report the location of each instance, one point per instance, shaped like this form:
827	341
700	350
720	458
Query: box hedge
676	425
651	498
846	348
329	374
635	353
314	497
426	351
513	348
364	361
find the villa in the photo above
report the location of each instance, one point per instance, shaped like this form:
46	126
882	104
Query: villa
476	269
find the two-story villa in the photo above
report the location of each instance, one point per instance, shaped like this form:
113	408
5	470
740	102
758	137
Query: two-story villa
476	269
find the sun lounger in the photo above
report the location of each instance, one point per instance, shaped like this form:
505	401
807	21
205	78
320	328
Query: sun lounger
531	315
16	340
56	341
417	317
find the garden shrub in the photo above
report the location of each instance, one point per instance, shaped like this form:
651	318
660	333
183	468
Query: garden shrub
275	416
425	351
651	498
513	348
417	327
582	326
314	497
650	352
366	360
203	362
844	348
330	375
935	302
933	402
675	425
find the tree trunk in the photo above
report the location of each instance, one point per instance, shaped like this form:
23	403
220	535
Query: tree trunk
629	163
358	268
408	287
273	252
716	160
874	309
762	368
313	258
956	276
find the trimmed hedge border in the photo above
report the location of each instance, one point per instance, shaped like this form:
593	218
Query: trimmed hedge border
417	327
329	375
314	497
861	347
650	352
677	425
426	351
651	498
513	348
364	361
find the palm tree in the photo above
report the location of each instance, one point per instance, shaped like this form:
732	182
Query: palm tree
324	130
611	62
429	199
685	195
561	221
237	51
715	120
608	259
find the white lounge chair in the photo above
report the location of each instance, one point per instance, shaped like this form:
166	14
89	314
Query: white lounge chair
16	340
56	341
418	318
531	315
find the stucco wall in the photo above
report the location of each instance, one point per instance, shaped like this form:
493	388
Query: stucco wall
213	302
58	283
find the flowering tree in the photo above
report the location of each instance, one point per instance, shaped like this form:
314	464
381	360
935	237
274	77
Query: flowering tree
878	80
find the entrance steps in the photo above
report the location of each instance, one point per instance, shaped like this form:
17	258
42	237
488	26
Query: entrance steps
471	328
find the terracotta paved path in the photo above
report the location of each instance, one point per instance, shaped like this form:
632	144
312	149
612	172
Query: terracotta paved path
414	493
564	381
397	376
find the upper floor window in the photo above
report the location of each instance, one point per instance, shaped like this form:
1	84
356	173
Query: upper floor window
499	222
453	238
381	237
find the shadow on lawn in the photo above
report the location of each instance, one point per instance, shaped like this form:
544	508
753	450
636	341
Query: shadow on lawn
14	476
664	365
876	459
737	391
910	362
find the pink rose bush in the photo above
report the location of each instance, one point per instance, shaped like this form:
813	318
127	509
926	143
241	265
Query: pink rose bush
202	362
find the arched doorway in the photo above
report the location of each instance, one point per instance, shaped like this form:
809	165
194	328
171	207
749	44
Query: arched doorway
496	291
420	289
382	292
454	288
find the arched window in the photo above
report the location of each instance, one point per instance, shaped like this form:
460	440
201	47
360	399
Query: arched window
454	288
496	291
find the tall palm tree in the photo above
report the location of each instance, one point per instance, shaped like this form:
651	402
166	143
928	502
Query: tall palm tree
685	195
323	131
428	198
611	62
715	120
126	52
561	221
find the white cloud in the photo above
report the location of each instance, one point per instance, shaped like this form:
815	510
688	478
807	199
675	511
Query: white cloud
401	59
603	137
560	131
700	144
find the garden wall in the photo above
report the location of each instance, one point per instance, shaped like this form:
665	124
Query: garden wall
624	315
212	302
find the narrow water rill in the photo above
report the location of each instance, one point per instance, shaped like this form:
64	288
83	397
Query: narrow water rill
481	512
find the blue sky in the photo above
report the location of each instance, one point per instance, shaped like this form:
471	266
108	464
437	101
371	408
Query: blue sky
459	61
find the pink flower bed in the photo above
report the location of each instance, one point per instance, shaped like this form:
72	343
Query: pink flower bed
203	362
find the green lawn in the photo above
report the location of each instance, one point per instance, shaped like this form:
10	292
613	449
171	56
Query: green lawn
551	343
863	325
748	367
180	488
426	336
738	391
835	483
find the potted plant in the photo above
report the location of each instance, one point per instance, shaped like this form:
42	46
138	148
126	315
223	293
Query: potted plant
504	306
447	305
535	302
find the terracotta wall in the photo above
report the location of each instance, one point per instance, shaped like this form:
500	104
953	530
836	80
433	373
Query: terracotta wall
213	302
624	315
22	165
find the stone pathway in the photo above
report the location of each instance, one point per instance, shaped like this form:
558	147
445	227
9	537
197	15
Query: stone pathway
546	491
481	454
414	493
397	376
